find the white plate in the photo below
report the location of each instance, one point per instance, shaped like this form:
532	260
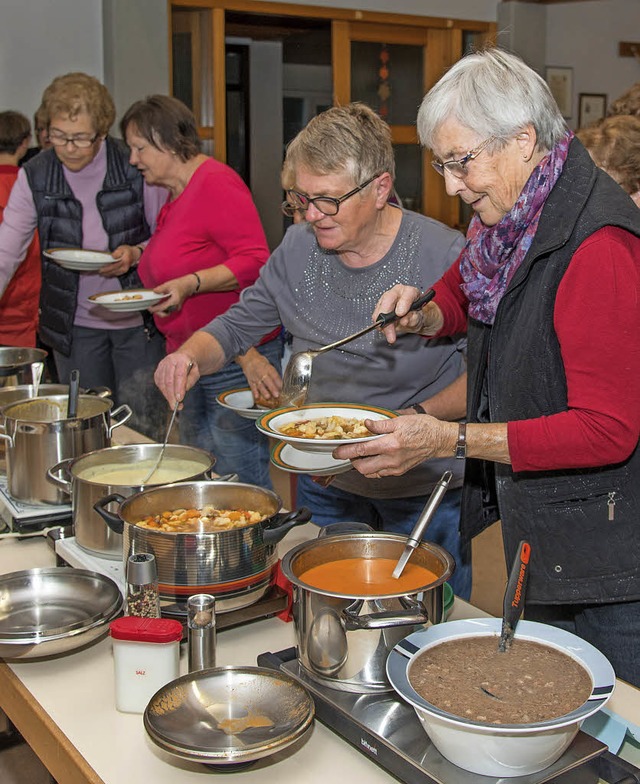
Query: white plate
127	299
78	259
271	422
295	461
241	401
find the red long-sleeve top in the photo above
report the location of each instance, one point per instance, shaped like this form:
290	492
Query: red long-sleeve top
597	321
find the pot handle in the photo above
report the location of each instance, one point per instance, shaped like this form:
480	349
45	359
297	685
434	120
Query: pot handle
225	478
63	482
281	523
115	523
415	613
4	436
98	391
115	422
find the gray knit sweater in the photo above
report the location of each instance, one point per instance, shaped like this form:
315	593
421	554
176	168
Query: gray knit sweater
319	299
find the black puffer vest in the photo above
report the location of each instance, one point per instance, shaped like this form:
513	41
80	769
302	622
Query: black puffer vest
120	203
579	554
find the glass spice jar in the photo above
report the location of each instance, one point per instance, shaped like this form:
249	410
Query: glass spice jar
143	598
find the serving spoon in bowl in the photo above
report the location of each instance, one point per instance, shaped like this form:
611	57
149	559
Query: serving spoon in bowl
297	375
514	596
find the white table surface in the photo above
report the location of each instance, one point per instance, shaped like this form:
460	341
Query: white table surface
77	692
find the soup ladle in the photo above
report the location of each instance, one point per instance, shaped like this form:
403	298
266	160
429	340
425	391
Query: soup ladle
297	374
415	537
156	465
513	602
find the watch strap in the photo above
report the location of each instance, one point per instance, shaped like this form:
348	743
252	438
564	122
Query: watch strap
461	444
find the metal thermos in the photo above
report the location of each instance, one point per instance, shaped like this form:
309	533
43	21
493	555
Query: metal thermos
201	631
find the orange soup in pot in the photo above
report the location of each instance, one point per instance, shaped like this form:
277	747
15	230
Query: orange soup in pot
367	577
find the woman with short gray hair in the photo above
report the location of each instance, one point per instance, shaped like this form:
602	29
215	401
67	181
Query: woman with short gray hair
321	283
547	290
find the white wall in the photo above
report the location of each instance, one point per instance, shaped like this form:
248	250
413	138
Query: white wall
585	37
41	39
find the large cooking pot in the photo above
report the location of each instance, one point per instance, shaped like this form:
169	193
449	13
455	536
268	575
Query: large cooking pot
21	365
120	469
28	391
236	566
38	434
344	641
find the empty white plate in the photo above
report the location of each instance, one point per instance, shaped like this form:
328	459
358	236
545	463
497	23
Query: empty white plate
295	461
78	259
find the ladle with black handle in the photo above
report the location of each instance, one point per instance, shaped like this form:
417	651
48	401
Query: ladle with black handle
297	374
513	603
74	391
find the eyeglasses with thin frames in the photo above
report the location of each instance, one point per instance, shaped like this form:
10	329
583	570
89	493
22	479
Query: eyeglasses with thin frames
327	205
458	168
58	140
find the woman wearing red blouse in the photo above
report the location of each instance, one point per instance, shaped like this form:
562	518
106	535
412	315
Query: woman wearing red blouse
208	245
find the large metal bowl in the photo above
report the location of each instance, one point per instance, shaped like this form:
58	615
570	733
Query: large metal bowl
54	610
184	717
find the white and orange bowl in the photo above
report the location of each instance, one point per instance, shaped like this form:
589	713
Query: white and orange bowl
504	750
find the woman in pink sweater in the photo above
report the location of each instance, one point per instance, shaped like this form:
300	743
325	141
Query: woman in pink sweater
208	245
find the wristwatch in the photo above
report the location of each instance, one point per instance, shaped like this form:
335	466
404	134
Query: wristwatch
418	408
461	443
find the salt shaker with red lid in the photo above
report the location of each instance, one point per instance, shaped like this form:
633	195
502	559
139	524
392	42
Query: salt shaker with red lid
146	655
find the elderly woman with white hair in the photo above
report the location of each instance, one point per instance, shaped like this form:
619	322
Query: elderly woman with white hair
547	290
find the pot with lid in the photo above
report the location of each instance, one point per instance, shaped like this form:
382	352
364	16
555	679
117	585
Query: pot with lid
21	365
345	635
38	434
120	469
236	565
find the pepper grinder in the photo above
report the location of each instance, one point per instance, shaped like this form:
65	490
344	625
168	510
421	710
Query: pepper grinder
143	598
201	631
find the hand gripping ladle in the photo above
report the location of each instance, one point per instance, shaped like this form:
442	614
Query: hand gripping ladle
297	374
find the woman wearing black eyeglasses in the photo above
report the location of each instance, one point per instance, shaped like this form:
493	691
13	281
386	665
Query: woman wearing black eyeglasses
82	193
321	284
547	289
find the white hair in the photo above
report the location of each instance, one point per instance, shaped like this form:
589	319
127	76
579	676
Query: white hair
494	93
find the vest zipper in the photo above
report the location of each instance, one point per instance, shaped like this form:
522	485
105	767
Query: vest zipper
611	504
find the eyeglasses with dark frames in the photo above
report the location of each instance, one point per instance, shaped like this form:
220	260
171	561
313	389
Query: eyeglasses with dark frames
327	205
82	142
458	168
289	209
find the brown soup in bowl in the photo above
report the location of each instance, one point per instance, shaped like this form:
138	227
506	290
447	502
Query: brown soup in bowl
529	683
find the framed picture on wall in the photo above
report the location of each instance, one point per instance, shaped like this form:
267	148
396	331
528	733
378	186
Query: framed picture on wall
591	108
560	81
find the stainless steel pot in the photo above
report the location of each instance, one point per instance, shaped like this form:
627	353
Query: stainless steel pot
236	566
80	478
21	365
38	434
27	391
344	641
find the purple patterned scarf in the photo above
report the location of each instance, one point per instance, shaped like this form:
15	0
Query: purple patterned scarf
493	253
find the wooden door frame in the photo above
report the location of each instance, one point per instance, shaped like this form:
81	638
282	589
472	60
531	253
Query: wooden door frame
440	36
